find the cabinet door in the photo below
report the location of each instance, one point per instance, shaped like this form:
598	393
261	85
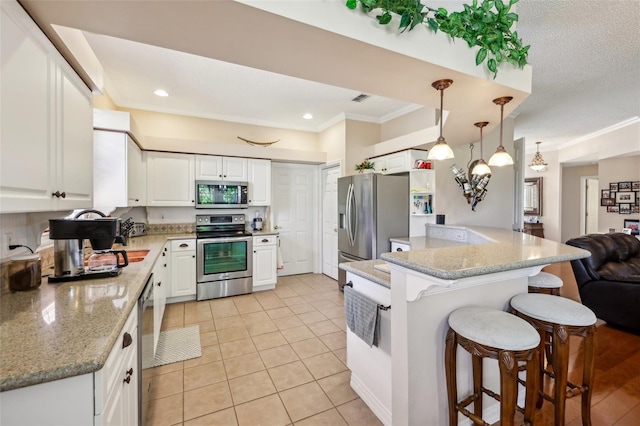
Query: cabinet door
396	163
234	169
264	265
160	282
75	147
135	175
130	386
208	167
259	178
183	273
170	179
26	137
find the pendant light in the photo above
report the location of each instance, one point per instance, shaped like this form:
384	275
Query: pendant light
441	151
481	168
538	163
501	156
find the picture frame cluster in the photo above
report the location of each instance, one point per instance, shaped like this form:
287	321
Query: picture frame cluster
621	197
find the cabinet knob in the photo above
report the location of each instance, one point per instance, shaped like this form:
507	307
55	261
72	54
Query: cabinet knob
224	176
159	283
165	265
130	371
59	194
126	340
164	254
127	379
137	200
277	227
194	256
183	245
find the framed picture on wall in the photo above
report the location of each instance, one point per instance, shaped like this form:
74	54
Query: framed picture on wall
635	186
635	209
607	202
625	197
605	193
634	225
613	186
624	208
624	186
612	209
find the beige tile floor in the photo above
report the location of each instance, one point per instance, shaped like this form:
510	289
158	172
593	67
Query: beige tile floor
276	357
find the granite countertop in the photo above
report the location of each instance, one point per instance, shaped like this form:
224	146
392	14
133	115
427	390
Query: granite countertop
420	243
507	250
365	269
68	329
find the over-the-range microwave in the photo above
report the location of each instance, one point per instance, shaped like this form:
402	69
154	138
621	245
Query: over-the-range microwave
221	195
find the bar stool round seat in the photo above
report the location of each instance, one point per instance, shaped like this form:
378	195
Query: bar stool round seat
556	319
546	283
494	334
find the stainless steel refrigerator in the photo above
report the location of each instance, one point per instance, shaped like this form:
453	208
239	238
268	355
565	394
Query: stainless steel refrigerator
371	209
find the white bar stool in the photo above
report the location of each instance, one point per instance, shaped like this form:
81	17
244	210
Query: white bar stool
558	318
546	283
490	333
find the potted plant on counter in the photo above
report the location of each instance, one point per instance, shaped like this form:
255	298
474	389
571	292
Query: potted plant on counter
366	167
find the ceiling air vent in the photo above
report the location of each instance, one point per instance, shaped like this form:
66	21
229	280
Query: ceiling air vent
361	97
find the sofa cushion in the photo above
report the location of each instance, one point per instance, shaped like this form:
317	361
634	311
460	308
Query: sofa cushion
611	254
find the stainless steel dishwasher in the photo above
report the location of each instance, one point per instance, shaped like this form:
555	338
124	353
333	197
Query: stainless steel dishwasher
145	347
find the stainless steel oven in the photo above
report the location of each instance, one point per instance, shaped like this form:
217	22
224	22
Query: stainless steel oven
224	256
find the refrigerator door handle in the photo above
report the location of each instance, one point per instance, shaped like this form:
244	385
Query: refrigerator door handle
354	230
348	214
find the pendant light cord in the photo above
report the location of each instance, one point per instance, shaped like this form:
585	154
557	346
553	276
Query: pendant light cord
441	113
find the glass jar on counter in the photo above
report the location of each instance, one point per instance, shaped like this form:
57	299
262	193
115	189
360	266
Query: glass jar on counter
25	273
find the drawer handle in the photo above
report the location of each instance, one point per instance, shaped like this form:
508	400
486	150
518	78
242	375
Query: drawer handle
398	249
126	340
264	240
183	245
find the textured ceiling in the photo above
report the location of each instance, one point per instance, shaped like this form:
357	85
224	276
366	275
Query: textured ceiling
585	58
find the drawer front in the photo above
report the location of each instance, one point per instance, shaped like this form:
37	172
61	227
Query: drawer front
266	240
183	245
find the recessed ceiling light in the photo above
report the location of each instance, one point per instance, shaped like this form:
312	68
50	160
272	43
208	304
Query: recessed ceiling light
307	116
161	92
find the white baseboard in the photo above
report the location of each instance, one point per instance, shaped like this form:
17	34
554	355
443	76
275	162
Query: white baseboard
263	287
382	413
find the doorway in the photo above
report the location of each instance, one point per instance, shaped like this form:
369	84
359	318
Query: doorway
590	202
330	175
294	215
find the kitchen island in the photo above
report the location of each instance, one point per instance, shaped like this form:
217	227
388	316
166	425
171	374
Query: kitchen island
58	335
485	267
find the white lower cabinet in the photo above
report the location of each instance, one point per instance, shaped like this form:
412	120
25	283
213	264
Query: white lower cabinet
107	397
265	254
116	393
183	268
399	246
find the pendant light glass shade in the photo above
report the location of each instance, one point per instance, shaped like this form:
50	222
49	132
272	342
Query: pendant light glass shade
501	156
441	151
538	163
481	168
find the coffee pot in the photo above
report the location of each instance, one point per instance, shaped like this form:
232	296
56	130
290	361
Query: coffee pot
257	224
106	260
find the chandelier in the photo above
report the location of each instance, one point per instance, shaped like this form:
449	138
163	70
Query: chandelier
441	151
538	163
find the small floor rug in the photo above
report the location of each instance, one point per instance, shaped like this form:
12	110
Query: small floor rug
175	345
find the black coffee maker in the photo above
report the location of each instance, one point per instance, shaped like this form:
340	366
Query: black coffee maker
68	247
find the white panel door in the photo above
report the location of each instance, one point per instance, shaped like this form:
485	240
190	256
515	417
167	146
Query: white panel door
330	221
592	204
292	215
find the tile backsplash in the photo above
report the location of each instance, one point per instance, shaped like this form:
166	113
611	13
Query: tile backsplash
171	228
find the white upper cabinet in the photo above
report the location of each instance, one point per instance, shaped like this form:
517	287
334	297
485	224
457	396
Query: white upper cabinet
46	115
119	175
398	162
211	167
259	178
170	179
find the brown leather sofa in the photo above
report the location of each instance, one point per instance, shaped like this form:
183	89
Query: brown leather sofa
609	280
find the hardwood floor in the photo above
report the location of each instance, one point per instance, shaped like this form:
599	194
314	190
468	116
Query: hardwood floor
616	391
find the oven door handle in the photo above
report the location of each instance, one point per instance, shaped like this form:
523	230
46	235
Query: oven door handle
223	239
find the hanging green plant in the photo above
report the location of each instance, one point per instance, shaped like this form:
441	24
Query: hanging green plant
487	25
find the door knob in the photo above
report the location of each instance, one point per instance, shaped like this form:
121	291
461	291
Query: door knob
276	227
335	229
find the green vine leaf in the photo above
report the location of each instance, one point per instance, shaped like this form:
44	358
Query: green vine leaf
487	25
